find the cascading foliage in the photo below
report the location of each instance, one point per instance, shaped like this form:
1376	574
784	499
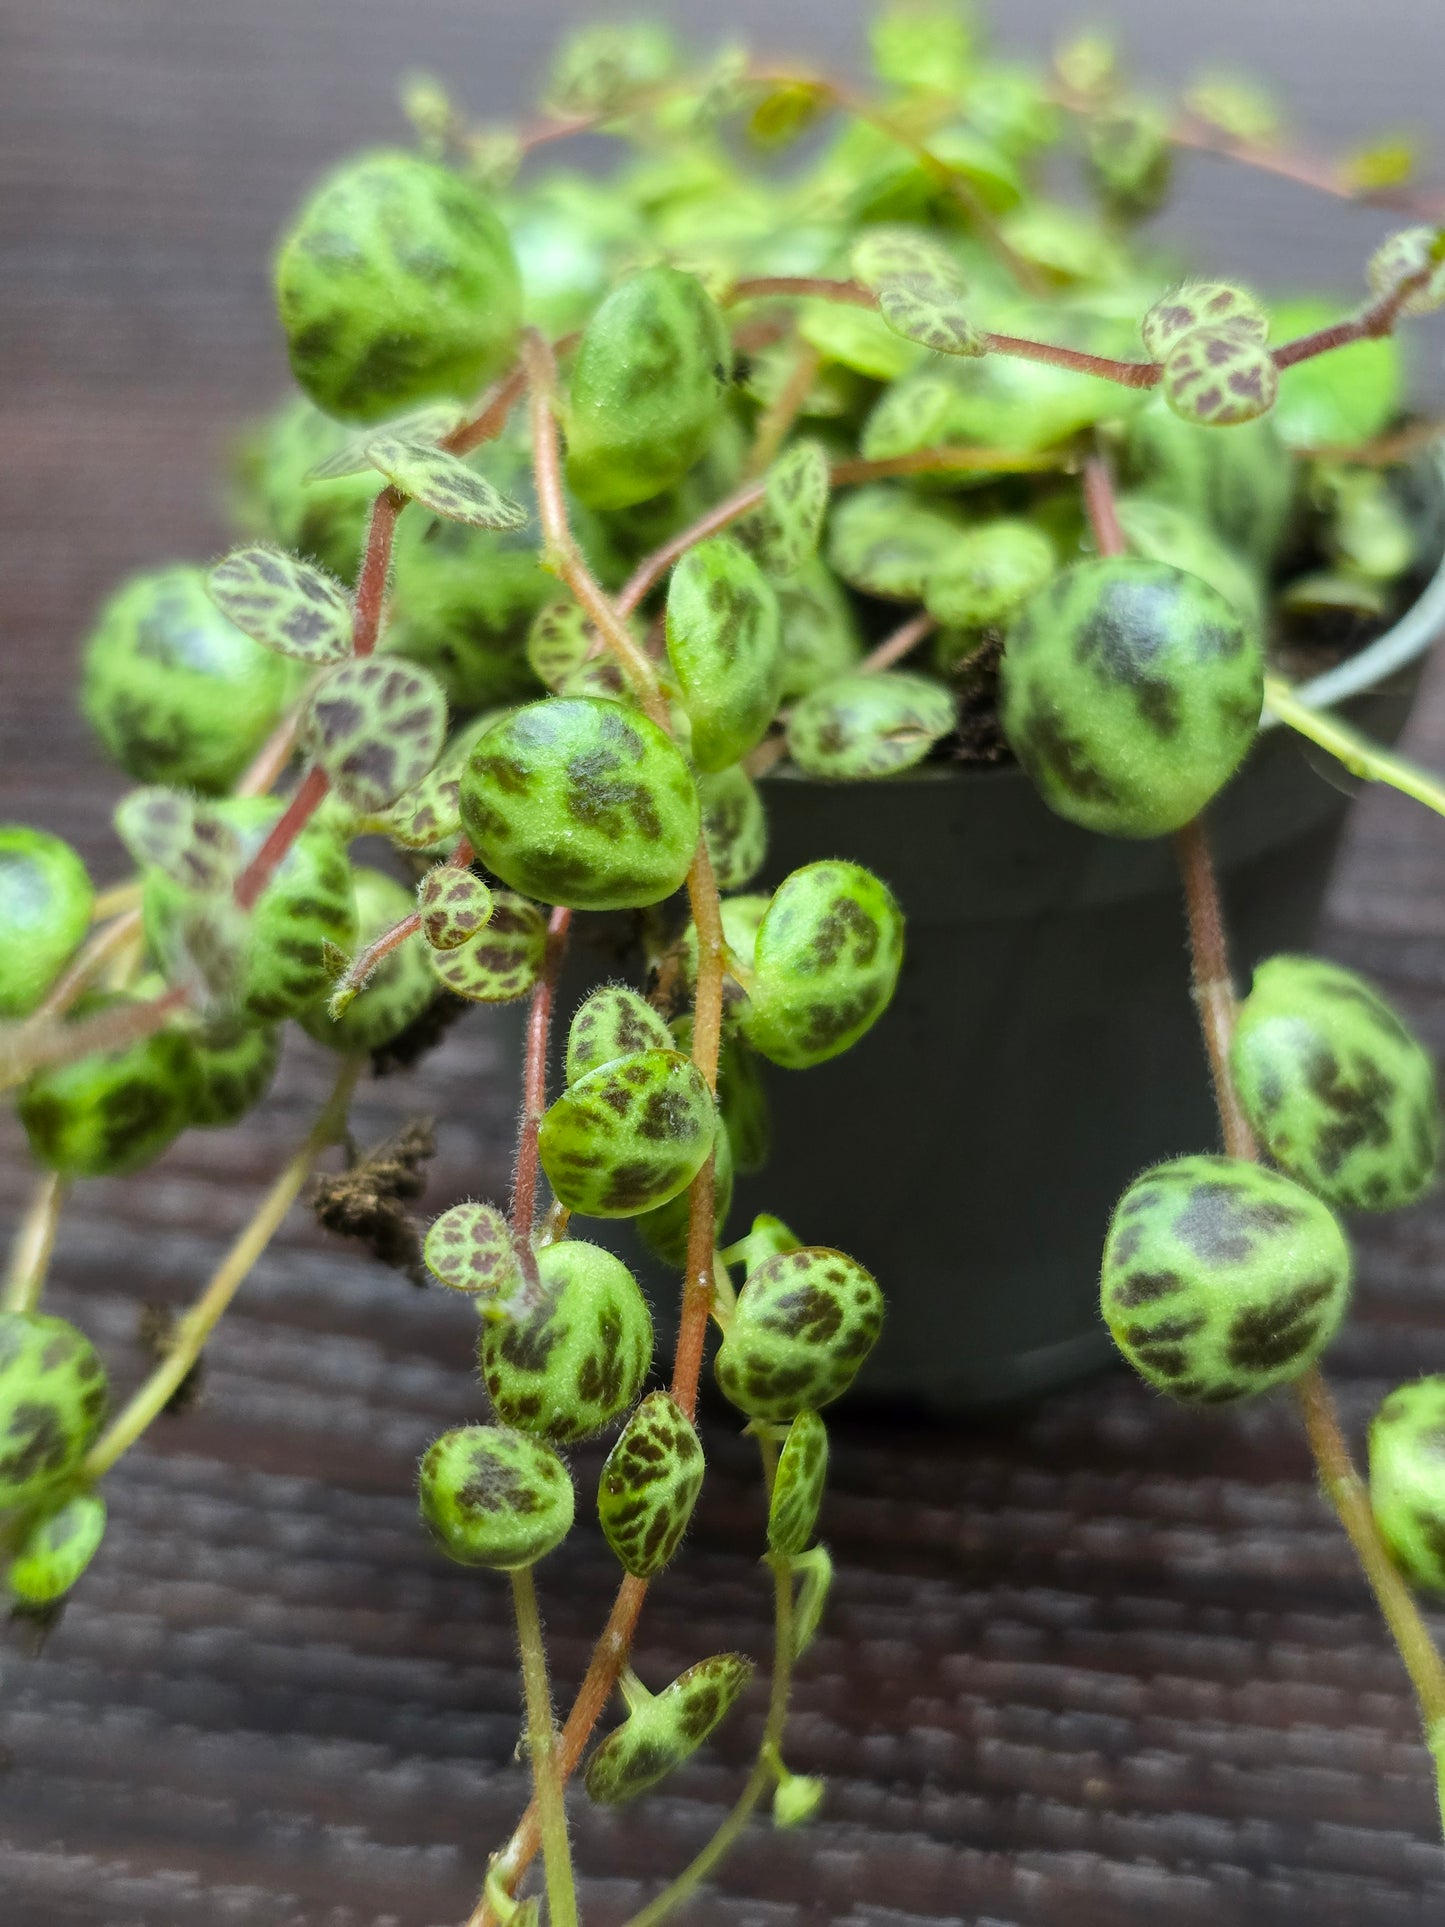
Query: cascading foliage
777	478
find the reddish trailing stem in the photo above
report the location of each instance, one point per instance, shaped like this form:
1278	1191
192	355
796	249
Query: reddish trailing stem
534	1078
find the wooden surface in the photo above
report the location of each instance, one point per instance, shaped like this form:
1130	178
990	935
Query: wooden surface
1095	1664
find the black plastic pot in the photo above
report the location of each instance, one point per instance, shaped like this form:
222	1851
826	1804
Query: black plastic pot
1041	1048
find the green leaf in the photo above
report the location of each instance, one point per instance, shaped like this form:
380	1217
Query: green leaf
284	604
988	573
856	338
431	424
649	1486
798	1485
454	904
502	962
1215	305
866	726
558	642
663	1731
735	825
814	1570
803	1324
884	541
723	635
605	67
783	532
179	835
921	290
376	727
786	111
824	965
629	1135
1234	103
1381	164
1216	378
469	1249
1413	251
612	1022
443	483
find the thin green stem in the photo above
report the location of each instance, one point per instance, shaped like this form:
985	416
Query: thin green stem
764	1772
199	1322
542	1748
34	1242
1358	754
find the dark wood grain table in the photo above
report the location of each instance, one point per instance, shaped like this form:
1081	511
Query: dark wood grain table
1100	1662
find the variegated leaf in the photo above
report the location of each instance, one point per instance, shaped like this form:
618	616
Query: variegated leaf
284	604
502	962
443	483
454	904
166	830
431	425
470	1249
376	727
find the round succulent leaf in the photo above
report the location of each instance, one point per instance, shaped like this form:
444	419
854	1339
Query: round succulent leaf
398	989
283	603
1415	250
444	483
886	542
180	835
469	1249
798	1485
454	904
1130	693
54	1550
108	1114
869	725
396	285
235	1063
1218	378
1222	1279
629	1135
723	640
666	1729
649	1485
921	290
664	1230
813	1570
825	963
574	800
735	826
1338	1090
804	1322
990	570
45	903
502	962
1371	533
1214	305
783	532
648	383
175	691
612	1022
564	1360
857	339
558	642
53	1400
429	816
1407	1479
495	1498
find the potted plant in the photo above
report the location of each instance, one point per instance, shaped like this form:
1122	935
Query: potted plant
865	522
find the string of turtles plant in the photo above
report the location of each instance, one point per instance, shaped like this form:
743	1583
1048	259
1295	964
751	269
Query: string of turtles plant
737	401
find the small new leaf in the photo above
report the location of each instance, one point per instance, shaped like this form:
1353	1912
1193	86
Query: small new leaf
1216	305
376	727
469	1249
783	532
454	904
1217	378
1414	251
557	642
284	604
431	425
443	483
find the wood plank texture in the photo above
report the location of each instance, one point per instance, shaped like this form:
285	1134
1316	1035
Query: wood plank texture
1101	1663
